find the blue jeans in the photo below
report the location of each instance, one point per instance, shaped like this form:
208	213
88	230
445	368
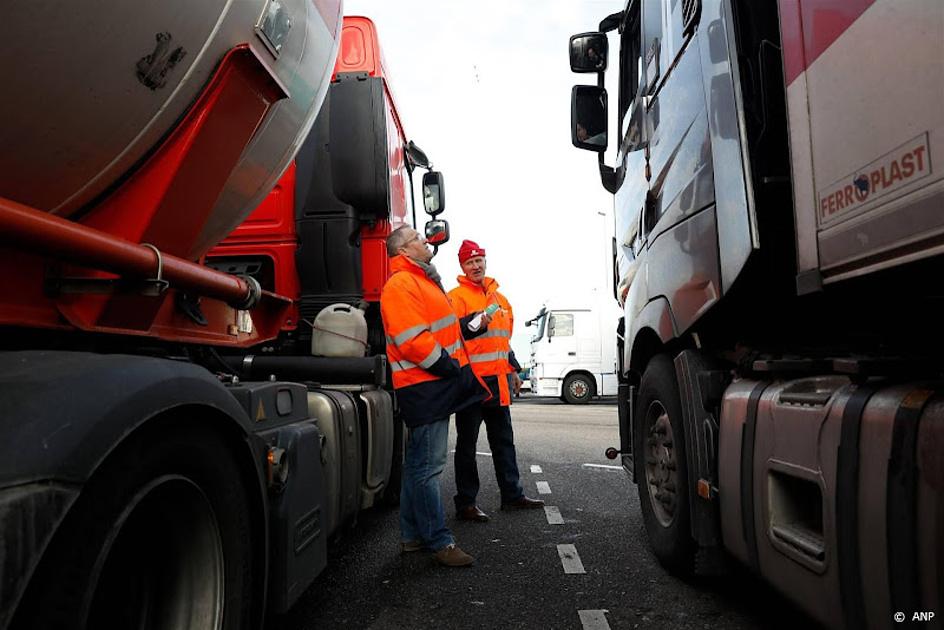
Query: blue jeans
421	510
501	440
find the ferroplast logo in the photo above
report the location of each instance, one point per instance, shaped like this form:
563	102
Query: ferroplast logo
892	171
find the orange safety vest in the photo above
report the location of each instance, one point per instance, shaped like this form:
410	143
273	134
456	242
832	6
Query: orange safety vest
488	352
419	324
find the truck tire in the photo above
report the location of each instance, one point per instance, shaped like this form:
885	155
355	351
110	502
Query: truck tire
578	389
159	538
661	468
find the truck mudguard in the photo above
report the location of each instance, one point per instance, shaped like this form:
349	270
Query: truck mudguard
62	413
656	316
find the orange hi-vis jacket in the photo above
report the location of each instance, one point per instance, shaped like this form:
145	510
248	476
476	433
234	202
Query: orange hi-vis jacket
419	323
490	351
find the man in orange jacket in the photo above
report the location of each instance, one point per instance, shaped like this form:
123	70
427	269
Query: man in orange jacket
432	379
493	361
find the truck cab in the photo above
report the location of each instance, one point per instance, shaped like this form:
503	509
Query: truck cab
573	350
778	243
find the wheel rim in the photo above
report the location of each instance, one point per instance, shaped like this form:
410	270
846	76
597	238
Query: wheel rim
578	388
162	565
661	465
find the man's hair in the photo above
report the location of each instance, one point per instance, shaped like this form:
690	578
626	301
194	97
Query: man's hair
397	239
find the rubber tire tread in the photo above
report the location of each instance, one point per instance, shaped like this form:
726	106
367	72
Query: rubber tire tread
673	545
573	400
55	596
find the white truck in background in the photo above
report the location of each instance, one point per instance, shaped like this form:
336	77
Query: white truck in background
573	352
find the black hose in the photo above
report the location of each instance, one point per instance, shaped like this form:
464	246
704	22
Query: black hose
325	370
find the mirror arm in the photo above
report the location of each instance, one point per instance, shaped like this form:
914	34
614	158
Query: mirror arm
607	175
611	22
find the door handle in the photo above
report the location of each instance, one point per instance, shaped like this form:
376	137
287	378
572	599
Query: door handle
571	354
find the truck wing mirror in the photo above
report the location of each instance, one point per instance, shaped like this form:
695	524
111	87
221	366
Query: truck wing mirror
588	120
588	52
437	232
434	196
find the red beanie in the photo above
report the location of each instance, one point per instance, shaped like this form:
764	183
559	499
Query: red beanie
469	249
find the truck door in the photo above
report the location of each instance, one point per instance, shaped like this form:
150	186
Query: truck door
679	220
561	344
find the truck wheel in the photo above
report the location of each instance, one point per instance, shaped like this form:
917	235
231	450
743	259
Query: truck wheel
661	468
159	538
578	389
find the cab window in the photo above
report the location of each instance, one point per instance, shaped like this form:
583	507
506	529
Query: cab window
560	325
630	65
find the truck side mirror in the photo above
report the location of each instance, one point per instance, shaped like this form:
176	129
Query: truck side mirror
588	52
588	118
434	196
437	232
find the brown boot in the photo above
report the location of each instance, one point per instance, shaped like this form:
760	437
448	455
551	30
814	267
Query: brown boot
472	513
523	503
411	546
452	556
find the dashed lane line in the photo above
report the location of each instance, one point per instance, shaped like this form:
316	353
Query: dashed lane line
543	487
536	469
476	452
603	466
553	514
570	559
593	619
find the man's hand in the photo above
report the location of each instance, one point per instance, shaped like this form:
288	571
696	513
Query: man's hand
486	318
516	382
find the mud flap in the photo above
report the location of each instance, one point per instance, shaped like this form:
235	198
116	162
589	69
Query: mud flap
701	386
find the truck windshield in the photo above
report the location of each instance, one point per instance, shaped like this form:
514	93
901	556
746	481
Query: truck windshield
541	322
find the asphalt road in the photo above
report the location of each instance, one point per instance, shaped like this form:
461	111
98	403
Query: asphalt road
519	579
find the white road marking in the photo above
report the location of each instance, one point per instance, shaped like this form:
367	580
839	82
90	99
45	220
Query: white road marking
603	466
543	487
553	514
476	452
535	469
593	619
570	559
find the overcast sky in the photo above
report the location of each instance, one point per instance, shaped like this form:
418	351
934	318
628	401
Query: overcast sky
484	89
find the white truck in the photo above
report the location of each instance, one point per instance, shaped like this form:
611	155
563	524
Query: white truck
778	202
573	352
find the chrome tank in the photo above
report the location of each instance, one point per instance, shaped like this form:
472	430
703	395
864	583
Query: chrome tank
79	112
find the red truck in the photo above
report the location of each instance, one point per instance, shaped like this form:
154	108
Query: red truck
174	456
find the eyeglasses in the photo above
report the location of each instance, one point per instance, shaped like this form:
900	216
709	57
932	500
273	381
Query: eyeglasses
416	237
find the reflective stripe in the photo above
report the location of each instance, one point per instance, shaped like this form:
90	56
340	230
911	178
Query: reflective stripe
408	334
453	347
432	357
488	356
399	366
390	341
445	322
493	333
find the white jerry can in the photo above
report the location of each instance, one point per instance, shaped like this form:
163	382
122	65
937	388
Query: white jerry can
339	330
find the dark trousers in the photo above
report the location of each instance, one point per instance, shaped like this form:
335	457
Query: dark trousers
501	440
